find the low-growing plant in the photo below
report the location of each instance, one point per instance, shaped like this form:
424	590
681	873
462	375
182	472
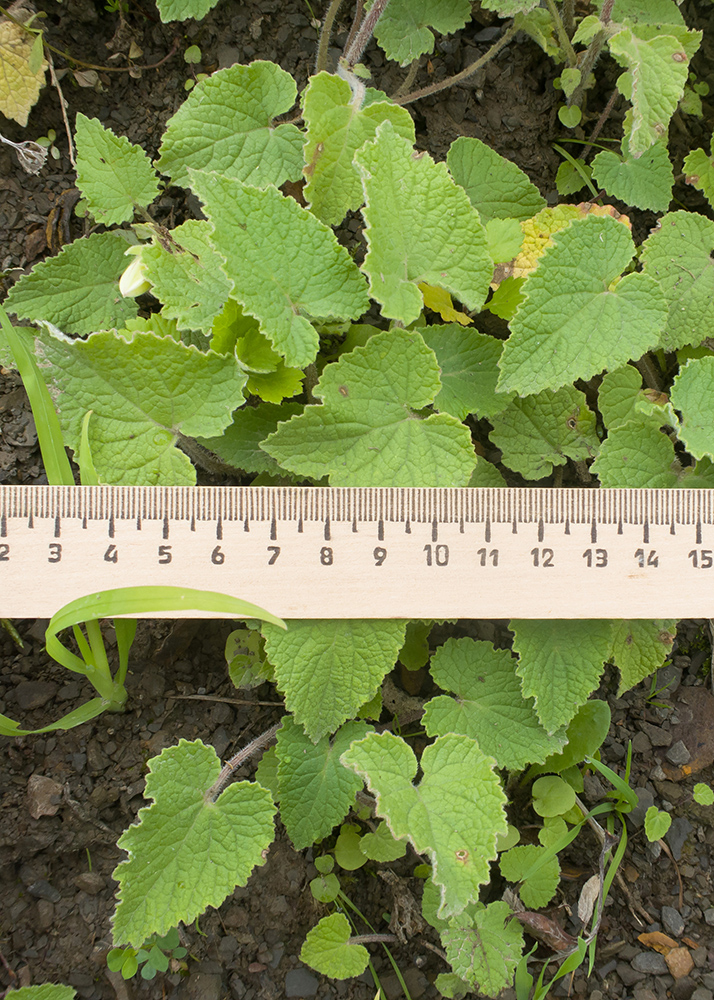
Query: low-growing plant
254	354
154	956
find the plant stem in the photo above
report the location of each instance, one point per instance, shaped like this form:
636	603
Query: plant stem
408	79
63	109
563	37
601	121
374	939
356	21
569	17
259	743
648	371
451	81
355	49
587	66
326	35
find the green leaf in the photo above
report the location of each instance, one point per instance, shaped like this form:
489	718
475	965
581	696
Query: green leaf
507	8
181	10
664	12
693	395
571	116
657	67
187	851
636	454
325	888
678	255
347	848
239	445
186	276
552	796
143	393
327	949
496	187
618	393
536	889
506	299
468	363
420	227
329	669
78	290
45	991
454	814
698	167
226	125
574	321
403	30
486	475
367	431
452	986
639	648
645	181
284	264
336	129
504	238
539	432
560	663
266	773
245	657
114	176
316	791
703	795
488	706
657	823
570	178
484	946
381	845
585	734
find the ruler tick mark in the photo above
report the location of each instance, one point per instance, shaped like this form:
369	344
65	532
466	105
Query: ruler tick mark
246	525
193	522
84	522
138	522
219	528
408	527
165	529
3	526
646	532
619	527
541	530
300	527
57	526
514	529
593	531
327	535
110	530
380	530
567	526
434	530
487	530
273	529
461	526
699	532
30	523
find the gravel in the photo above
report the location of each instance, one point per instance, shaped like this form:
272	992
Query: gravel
672	921
650	962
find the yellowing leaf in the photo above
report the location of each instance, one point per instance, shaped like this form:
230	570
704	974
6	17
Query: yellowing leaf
19	86
539	231
439	300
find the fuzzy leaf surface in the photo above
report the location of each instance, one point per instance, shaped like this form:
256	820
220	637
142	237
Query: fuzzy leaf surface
657	67
328	951
468	363
542	431
189	282
187	853
316	790
573	322
403	31
113	174
366	432
285	265
226	125
535	890
698	167
496	187
143	392
336	129
45	991
454	814
678	255
420	227
637	455
560	663
381	845
645	181
78	290
483	947
693	394
488	705
19	86
639	648
328	669
239	445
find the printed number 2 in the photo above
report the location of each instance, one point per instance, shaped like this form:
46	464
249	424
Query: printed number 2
542	557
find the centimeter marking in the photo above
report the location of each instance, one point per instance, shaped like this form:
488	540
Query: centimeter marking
321	552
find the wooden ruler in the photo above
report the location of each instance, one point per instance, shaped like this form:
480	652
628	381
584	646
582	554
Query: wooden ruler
320	552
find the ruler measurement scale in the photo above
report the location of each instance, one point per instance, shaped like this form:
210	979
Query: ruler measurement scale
320	552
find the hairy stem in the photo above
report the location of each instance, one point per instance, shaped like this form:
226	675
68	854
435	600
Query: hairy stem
464	74
259	743
408	79
563	37
374	939
354	51
649	372
356	21
586	67
601	121
569	17
326	35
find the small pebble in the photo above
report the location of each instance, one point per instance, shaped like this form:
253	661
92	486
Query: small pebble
709	916
300	983
34	694
41	889
702	994
683	988
672	921
678	754
677	835
650	962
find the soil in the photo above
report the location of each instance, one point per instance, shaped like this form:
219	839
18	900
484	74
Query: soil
67	798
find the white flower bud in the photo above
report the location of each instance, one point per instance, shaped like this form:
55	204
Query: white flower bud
133	281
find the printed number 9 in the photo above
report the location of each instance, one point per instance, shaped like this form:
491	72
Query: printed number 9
380	555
